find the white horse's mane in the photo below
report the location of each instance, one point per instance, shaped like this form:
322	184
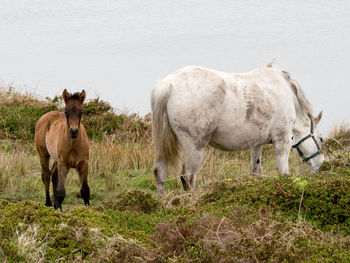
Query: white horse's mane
303	106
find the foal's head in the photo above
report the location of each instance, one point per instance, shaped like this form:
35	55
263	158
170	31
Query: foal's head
73	110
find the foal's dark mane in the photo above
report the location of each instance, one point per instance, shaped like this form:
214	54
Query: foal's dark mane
75	96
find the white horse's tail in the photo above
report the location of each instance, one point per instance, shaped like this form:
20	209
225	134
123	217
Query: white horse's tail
165	141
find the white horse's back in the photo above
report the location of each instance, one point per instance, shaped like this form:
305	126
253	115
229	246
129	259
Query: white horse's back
235	111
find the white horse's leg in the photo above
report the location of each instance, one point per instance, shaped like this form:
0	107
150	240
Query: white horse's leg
160	173
282	144
255	159
193	157
282	157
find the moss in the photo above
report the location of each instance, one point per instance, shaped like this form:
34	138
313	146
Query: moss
12	215
137	201
184	233
269	239
337	162
328	253
76	234
68	240
27	212
325	200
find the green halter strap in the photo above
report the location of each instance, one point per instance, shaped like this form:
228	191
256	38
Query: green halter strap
311	135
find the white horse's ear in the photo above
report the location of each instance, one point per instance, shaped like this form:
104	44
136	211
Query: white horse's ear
318	118
82	96
270	63
65	95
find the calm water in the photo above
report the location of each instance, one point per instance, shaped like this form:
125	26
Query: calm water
119	49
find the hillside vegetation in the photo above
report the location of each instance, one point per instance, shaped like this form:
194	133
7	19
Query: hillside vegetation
232	216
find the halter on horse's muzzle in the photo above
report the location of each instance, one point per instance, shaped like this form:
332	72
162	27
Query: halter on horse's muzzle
311	135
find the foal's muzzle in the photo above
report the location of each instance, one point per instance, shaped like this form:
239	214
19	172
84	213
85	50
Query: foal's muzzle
73	132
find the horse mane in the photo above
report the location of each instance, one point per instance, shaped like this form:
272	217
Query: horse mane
75	96
304	106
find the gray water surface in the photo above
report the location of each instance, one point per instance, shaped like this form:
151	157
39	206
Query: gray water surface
119	49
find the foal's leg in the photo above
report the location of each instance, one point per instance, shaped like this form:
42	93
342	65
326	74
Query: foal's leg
60	192
83	169
45	176
282	144
54	179
255	159
193	157
160	170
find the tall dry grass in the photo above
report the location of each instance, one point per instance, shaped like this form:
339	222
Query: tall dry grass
340	129
338	139
29	245
15	165
111	156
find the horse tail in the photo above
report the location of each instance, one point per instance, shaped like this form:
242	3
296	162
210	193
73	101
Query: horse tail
301	103
165	141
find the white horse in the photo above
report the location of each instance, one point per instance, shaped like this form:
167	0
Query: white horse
195	106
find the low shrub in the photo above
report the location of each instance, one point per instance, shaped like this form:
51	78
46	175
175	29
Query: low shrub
137	201
325	199
268	239
30	232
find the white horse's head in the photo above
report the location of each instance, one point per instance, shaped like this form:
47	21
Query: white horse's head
308	144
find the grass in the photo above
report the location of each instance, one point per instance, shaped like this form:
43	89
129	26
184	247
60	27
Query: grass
232	216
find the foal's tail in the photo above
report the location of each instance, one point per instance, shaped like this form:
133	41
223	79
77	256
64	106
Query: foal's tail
165	141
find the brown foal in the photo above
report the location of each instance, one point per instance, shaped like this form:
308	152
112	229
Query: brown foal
62	136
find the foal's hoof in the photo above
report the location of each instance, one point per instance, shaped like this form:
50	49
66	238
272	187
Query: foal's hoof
48	204
58	207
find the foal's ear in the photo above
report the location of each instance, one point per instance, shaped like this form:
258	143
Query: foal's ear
82	96
65	95
318	118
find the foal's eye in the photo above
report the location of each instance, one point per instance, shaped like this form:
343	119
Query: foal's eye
321	139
